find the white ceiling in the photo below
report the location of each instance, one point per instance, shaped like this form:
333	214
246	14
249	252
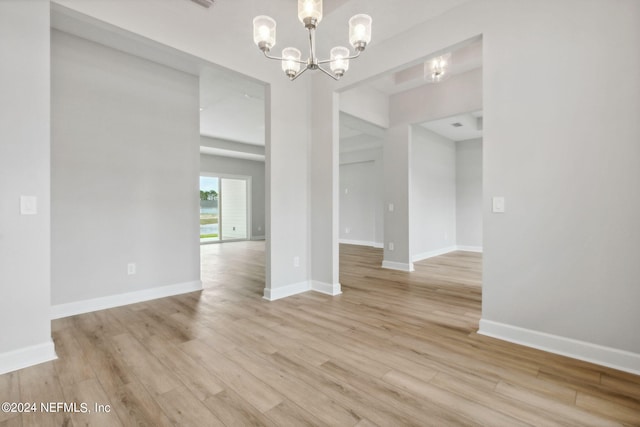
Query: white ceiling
470	126
231	107
232	104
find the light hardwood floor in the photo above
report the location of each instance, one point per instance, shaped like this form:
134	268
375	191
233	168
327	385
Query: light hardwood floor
394	349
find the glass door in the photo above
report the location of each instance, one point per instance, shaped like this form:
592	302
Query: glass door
224	208
209	212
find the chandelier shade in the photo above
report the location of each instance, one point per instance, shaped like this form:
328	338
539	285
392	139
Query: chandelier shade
339	63
291	61
310	14
359	31
310	11
264	32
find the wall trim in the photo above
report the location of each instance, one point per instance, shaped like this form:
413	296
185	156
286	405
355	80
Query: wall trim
361	243
272	294
111	301
27	356
431	254
469	248
401	266
582	350
257	238
326	288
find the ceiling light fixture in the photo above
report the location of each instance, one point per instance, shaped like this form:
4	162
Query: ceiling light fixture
437	69
310	14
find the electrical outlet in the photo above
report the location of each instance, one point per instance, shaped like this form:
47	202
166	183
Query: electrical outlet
391	207
259	228
347	230
296	261
391	246
131	268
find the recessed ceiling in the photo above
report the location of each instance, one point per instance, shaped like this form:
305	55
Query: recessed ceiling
457	128
466	58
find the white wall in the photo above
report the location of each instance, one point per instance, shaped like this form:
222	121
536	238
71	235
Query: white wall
184	26
362	208
563	259
357	203
459	94
287	191
256	170
396	196
560	266
433	194
367	104
324	214
469	194
125	167
25	331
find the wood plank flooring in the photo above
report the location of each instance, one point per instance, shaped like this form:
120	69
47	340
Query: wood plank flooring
395	349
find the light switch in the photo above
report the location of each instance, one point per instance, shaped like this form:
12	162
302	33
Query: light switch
28	205
498	205
390	207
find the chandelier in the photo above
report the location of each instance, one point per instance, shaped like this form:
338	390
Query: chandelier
437	69
310	14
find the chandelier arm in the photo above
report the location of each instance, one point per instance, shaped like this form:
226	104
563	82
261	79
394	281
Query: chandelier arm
300	73
326	61
278	58
327	73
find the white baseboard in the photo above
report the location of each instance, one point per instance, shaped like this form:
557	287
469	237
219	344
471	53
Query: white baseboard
431	254
326	288
401	266
28	356
87	306
257	237
362	243
469	248
594	353
273	294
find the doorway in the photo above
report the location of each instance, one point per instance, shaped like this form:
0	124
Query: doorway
224	208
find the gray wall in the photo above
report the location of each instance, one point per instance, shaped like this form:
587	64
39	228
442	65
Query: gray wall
433	194
125	166
24	171
357	202
562	148
461	93
469	194
362	208
226	165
